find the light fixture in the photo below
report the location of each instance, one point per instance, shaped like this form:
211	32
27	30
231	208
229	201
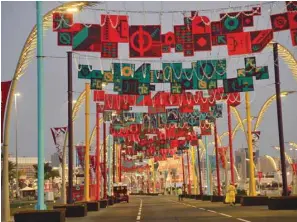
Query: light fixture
17	94
72	9
74	101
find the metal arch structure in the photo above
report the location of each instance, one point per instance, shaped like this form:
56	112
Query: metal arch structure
287	56
272	161
265	107
26	56
293	144
92	136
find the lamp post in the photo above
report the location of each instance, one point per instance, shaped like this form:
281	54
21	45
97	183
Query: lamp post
280	119
16	95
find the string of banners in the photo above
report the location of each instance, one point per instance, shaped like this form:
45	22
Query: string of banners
197	34
203	75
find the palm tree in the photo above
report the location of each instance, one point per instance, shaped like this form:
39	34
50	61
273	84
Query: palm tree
48	171
12	171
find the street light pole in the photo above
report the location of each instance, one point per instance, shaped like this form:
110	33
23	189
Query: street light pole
16	144
40	107
70	129
280	119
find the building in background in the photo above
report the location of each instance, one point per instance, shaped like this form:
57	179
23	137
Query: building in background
25	164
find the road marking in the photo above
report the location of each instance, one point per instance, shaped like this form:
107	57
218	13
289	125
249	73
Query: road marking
226	215
139	211
243	220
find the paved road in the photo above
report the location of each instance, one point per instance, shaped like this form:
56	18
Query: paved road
168	209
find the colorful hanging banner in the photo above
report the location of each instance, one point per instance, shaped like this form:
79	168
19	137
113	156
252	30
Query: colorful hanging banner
59	134
196	34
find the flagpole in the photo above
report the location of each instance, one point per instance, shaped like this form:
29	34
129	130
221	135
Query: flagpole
70	129
189	175
98	176
217	159
199	169
104	160
40	107
230	144
87	151
252	184
207	166
183	168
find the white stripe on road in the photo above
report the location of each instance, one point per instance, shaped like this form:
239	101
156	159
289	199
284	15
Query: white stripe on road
211	211
139	212
226	215
243	220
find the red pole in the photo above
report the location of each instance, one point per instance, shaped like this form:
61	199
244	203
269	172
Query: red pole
189	175
183	166
98	173
104	161
230	145
217	159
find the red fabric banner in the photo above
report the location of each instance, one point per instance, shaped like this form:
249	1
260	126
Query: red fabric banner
294	167
222	151
5	87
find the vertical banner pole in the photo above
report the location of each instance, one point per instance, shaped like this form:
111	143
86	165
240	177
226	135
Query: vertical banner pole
113	162
87	151
70	129
120	164
207	165
230	144
189	174
280	120
252	185
154	177
98	171
183	168
148	181
104	160
195	175
217	159
109	150
199	170
40	108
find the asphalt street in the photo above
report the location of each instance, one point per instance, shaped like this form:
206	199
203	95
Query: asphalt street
168	209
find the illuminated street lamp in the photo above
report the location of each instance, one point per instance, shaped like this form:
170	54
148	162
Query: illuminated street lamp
72	9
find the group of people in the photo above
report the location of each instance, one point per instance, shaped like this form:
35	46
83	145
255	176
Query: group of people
230	195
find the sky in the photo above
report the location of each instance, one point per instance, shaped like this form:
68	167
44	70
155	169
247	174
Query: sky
18	18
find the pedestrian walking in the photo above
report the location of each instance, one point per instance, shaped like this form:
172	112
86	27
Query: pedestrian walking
230	195
180	194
